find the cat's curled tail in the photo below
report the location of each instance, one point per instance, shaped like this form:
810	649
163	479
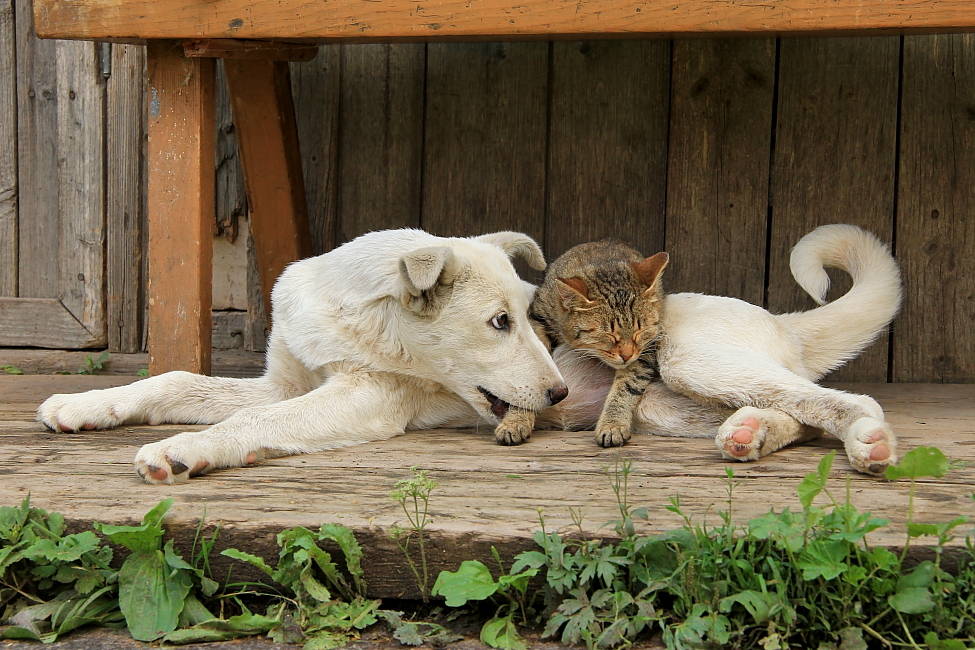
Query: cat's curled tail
838	331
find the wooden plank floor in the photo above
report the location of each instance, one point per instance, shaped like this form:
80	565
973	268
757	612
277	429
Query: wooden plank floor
487	495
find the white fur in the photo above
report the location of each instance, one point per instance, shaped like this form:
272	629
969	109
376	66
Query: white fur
391	332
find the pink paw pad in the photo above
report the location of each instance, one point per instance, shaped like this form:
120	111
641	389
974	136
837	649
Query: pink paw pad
742	437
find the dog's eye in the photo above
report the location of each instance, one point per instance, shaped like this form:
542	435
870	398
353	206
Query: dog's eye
500	321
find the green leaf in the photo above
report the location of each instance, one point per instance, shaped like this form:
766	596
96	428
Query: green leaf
920	462
346	540
813	484
502	633
219	629
755	602
823	559
912	600
529	560
472	581
851	638
137	539
786	528
151	594
517	580
932	641
253	560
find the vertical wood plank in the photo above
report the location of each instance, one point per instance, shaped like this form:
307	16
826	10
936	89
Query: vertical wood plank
181	208
834	160
8	151
607	158
81	190
316	90
37	159
231	201
933	339
125	218
382	138
718	163
484	153
260	94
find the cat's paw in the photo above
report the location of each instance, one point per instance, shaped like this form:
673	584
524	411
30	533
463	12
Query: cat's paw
741	436
612	435
513	433
871	446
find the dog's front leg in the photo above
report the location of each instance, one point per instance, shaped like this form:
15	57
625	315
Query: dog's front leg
346	410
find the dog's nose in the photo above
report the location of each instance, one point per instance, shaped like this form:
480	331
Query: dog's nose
557	394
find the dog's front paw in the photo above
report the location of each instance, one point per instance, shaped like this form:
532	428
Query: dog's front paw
183	456
612	435
513	433
871	446
741	436
81	411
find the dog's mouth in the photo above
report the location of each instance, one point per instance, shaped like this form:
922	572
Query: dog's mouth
498	406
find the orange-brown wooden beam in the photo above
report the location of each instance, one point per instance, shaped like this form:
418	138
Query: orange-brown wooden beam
260	93
180	208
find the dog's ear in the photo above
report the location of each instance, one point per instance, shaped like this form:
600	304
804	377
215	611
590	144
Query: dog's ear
517	244
650	269
424	268
574	292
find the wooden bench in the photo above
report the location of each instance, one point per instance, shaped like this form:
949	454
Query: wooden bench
256	38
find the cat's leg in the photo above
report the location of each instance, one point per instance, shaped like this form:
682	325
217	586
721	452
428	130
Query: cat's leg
751	433
346	410
741	378
615	423
516	427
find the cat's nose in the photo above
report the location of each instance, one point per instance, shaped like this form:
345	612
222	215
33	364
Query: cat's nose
557	394
627	351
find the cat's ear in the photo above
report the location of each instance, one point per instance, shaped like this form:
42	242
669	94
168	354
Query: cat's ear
573	291
517	244
650	269
423	269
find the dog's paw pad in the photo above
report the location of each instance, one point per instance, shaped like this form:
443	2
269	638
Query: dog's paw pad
871	446
741	438
612	436
78	412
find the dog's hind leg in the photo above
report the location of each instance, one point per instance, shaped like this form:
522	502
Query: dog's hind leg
751	433
346	410
740	378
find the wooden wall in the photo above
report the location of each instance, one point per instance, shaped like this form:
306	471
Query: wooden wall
722	151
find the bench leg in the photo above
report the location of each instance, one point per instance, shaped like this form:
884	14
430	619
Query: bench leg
260	94
180	207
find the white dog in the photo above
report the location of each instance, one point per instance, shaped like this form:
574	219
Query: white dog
402	330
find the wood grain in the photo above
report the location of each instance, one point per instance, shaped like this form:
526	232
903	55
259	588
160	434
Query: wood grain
44	323
81	189
835	160
484	151
382	137
607	159
8	150
181	151
125	215
316	91
717	176
487	494
363	20
37	160
226	363
231	48
260	94
935	208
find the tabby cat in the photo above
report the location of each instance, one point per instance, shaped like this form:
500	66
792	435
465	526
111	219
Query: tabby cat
604	300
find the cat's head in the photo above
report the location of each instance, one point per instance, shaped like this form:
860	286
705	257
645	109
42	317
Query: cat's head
614	313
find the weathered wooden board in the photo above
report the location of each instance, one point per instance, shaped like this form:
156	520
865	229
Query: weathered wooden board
181	151
363	20
487	494
316	90
718	166
834	160
125	216
484	152
37	160
8	150
80	186
226	363
935	208
264	115
43	322
607	151
382	138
